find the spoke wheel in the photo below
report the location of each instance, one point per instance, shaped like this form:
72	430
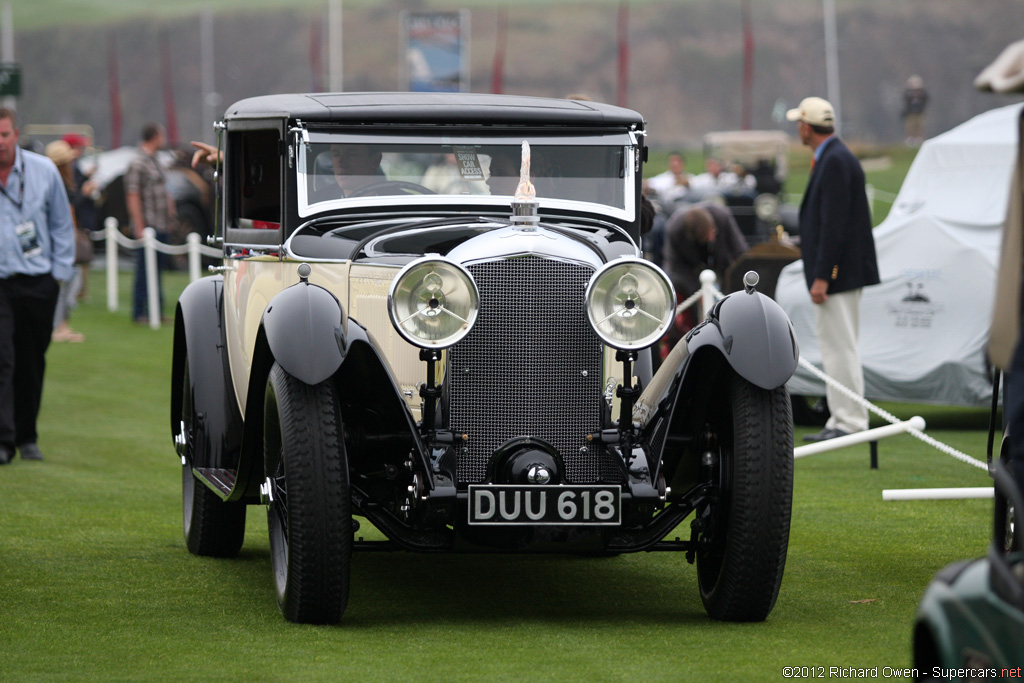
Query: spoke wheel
213	528
743	550
309	513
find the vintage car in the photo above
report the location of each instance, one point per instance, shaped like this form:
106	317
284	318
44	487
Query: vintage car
432	317
970	623
764	154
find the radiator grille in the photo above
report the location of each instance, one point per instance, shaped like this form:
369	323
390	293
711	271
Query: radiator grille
530	367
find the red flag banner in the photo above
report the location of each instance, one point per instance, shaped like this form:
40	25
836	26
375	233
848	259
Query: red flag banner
622	94
115	93
170	114
500	43
748	67
315	60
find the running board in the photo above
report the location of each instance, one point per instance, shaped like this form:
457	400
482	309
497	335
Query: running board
221	481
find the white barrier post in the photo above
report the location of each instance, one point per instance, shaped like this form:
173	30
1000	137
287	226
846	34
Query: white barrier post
110	231
195	259
870	190
707	291
152	276
938	494
916	422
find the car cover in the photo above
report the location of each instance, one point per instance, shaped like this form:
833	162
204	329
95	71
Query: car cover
924	329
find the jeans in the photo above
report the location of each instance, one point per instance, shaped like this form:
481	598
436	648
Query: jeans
140	304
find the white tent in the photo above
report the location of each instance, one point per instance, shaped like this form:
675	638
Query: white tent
924	328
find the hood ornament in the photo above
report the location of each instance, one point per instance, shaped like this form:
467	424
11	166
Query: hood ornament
525	204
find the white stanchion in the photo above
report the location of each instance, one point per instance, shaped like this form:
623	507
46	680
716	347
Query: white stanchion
152	276
194	257
708	291
110	229
706	295
916	422
938	493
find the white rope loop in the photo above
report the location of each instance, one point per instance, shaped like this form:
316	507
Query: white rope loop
171	249
192	247
708	287
892	419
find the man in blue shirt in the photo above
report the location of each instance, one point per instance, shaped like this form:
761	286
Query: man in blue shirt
37	249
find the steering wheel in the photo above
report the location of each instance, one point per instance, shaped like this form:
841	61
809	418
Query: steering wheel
401	186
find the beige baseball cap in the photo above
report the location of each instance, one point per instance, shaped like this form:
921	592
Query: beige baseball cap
813	110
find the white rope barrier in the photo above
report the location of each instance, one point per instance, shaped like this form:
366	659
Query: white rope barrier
689	302
192	248
889	417
912	427
706	295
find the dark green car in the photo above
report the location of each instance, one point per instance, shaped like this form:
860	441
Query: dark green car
970	624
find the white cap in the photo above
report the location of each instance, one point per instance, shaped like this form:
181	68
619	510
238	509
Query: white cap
815	111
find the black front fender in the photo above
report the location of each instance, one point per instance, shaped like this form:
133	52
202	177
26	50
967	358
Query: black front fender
305	332
754	335
199	339
746	333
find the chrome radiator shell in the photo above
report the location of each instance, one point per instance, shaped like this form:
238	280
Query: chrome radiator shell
531	367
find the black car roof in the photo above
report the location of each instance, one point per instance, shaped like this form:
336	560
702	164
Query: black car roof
434	108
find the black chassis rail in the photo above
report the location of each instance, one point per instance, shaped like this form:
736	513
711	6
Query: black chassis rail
649	518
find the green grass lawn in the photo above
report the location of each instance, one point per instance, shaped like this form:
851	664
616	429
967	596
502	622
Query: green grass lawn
96	583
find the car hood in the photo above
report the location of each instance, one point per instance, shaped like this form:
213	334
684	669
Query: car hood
462	240
485	241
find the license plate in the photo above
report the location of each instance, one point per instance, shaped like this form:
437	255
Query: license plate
536	505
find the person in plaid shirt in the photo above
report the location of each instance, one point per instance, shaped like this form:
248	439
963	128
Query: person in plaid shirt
149	205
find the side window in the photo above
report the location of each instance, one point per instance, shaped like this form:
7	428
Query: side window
253	188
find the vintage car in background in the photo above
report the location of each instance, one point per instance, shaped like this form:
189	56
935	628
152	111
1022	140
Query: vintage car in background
764	154
432	317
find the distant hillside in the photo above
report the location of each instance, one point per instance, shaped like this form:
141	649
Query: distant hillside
685	60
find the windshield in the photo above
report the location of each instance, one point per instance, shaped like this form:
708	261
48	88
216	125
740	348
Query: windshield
586	173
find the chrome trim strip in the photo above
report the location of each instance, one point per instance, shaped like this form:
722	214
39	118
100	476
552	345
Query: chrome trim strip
512	242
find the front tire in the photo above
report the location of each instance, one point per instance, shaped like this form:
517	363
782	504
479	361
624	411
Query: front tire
309	515
743	552
213	528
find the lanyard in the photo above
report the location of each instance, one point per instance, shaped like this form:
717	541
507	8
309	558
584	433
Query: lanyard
21	190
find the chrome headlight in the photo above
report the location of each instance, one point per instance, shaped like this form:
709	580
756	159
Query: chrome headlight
766	207
433	302
630	303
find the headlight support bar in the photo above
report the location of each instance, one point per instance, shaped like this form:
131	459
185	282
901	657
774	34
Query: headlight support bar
429	391
628	394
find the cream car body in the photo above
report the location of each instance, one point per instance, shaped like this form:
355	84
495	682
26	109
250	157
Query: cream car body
432	317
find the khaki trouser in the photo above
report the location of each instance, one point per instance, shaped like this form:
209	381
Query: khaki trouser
838	324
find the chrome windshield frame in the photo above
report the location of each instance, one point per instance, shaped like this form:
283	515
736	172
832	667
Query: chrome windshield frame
620	139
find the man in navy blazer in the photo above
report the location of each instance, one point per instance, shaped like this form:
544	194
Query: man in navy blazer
838	252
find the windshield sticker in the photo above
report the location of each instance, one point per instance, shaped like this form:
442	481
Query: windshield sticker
469	163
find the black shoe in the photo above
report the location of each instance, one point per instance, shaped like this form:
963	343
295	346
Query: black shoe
6	455
30	451
825	435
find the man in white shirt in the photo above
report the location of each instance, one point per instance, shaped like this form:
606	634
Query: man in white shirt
673	184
